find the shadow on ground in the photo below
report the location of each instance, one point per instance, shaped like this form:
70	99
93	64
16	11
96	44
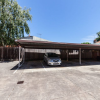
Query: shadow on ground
40	64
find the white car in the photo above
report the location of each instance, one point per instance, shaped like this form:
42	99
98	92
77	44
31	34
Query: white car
52	59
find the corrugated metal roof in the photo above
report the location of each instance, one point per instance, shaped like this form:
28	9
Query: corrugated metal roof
55	45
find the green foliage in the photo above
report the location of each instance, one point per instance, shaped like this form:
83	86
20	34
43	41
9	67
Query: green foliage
98	38
13	21
85	43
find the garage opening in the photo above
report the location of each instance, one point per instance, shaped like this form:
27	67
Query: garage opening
68	51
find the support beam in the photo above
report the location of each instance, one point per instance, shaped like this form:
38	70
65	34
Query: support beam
23	57
24	54
67	55
2	53
80	56
19	57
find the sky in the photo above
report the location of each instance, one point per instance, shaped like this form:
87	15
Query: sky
70	21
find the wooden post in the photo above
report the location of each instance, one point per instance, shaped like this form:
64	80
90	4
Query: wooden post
2	53
19	57
67	55
80	56
24	54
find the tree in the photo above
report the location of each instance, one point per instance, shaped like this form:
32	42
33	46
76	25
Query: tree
85	43
13	21
98	34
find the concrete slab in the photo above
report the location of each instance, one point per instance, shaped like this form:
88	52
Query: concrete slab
41	82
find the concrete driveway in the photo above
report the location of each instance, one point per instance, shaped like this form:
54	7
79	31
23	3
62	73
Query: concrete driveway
41	82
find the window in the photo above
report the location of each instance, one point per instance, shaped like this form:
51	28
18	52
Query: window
52	55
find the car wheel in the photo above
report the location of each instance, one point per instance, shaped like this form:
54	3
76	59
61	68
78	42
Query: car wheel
43	60
47	63
60	64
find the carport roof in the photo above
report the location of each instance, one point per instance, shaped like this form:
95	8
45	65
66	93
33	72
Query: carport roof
54	45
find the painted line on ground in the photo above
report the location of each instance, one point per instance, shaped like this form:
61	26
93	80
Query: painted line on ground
43	66
15	70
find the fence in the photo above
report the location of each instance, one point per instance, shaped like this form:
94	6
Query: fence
9	53
12	53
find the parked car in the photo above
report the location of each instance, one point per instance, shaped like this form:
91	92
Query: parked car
52	59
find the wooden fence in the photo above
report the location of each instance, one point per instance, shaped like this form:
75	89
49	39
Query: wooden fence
9	53
12	53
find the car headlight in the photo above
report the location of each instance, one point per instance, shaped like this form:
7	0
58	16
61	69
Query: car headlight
49	60
60	60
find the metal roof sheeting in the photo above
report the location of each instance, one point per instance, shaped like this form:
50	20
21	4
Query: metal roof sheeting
54	45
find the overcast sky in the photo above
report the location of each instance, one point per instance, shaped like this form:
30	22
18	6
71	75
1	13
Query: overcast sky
73	21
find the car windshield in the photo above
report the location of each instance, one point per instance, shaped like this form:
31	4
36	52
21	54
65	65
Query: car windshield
52	55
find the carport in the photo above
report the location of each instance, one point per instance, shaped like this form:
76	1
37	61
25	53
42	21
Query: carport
30	44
